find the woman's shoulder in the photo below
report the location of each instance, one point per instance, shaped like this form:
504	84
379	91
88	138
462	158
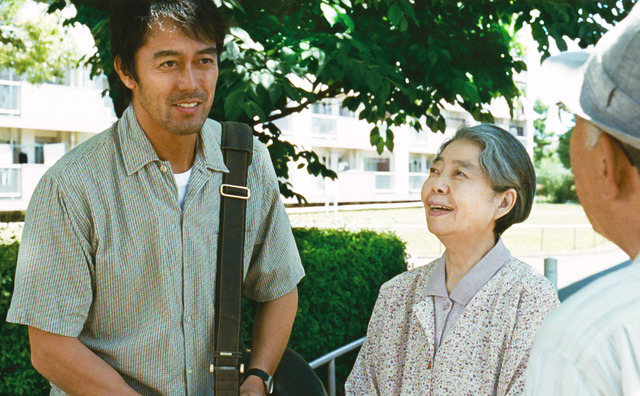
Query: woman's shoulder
522	277
415	279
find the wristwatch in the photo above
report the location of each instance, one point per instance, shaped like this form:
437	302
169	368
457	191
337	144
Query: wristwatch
263	375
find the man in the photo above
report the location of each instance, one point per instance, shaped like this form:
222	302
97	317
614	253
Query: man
116	273
591	344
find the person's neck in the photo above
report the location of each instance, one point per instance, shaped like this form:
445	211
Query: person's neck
461	254
626	238
178	150
621	224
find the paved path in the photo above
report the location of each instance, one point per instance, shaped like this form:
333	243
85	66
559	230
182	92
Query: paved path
572	266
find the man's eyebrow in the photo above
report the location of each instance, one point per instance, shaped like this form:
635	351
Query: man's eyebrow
209	50
166	53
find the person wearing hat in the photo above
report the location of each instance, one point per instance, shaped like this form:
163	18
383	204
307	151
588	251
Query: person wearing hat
590	345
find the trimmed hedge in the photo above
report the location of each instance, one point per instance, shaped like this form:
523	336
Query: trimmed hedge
18	376
344	273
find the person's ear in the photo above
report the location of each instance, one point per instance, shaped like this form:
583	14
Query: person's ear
125	76
613	167
507	201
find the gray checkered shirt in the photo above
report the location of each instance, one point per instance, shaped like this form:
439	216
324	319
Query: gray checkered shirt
109	257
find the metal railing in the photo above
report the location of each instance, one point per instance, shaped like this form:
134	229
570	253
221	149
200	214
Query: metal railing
330	358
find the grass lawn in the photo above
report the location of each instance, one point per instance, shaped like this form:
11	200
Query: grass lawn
549	228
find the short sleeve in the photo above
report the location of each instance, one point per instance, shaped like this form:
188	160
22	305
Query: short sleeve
275	267
53	288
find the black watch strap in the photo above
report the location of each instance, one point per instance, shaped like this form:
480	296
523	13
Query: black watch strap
264	376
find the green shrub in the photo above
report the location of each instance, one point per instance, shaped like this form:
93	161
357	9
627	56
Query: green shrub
555	182
18	376
344	271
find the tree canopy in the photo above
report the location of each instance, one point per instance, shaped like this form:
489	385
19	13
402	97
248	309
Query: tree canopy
393	62
36	45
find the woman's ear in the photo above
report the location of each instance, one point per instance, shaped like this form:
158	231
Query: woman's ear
507	201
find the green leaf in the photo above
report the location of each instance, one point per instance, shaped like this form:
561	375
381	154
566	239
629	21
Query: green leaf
330	13
469	91
373	80
395	15
266	80
251	109
389	142
374	136
233	105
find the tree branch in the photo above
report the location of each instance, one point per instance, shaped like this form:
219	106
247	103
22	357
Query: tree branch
317	97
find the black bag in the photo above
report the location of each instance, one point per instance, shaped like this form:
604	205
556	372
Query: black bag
293	376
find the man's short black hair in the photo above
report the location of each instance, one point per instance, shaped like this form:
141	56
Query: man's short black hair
131	20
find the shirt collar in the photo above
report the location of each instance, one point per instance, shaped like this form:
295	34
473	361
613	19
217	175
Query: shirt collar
137	150
473	281
437	283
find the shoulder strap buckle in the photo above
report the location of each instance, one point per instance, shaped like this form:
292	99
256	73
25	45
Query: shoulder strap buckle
232	191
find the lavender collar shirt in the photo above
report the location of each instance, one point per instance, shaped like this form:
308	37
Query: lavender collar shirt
449	307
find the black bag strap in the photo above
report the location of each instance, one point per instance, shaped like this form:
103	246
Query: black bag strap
237	148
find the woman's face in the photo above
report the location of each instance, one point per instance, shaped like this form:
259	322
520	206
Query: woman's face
458	197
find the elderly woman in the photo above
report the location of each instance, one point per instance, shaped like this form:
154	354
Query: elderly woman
463	324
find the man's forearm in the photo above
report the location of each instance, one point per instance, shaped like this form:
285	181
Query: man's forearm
271	331
73	367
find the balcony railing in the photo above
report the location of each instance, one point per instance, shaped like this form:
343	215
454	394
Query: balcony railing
10	92
10	181
324	126
384	181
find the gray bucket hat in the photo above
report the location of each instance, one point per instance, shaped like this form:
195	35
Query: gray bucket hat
603	85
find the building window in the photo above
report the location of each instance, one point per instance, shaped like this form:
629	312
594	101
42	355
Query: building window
516	130
418	171
322	108
323	127
344	112
382	168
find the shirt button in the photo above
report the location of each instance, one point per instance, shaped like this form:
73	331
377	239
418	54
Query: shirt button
189	371
446	306
164	169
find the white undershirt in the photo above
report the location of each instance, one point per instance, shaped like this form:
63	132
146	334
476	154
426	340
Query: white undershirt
182	181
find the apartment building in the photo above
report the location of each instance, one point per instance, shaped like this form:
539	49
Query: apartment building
342	143
39	123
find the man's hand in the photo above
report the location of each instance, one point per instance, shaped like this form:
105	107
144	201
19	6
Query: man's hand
252	386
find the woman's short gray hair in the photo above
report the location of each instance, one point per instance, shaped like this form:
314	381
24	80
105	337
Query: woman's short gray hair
506	164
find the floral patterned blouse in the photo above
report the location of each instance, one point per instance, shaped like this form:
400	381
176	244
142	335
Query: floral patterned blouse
485	353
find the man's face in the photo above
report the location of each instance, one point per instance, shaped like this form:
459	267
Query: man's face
583	165
176	82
